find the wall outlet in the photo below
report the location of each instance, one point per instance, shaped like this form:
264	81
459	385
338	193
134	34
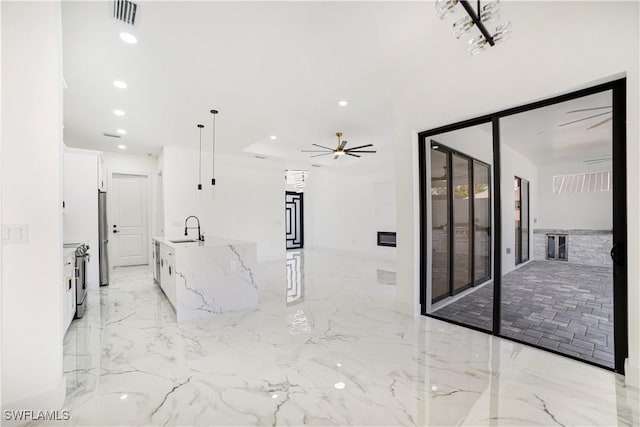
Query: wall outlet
508	250
233	265
13	234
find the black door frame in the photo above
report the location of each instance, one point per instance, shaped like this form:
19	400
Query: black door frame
450	152
519	259
299	212
619	155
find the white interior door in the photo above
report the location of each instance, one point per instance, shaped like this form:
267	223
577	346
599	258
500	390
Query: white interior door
129	228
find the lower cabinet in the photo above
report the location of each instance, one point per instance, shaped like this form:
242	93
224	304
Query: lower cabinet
168	273
69	291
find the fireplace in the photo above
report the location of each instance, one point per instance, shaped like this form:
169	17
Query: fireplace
387	238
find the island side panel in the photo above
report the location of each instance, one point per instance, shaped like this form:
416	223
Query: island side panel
214	280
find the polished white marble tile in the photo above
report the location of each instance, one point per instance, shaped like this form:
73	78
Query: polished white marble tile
326	350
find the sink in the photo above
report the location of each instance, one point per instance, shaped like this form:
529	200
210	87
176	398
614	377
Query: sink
183	241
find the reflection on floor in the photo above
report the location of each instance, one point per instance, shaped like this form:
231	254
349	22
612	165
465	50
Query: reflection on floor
565	307
341	356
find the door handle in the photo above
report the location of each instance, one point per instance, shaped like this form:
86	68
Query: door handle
618	254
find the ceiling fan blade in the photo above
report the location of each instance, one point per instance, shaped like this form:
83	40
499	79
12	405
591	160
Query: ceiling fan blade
354	155
314	151
361	146
322	146
600	123
586	118
343	144
588	109
363	151
325	154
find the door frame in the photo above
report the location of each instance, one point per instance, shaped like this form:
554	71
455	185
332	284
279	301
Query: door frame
618	88
520	260
111	173
286	193
450	152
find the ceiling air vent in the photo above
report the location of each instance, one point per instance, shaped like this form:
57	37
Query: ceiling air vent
125	11
111	135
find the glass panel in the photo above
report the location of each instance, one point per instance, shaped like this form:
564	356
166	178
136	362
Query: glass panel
516	250
462	224
461	210
562	299
524	221
482	222
439	225
562	247
551	247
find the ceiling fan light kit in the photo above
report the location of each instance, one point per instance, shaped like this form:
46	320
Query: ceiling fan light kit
340	149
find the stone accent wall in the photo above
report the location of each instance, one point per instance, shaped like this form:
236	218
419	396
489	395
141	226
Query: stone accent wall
586	247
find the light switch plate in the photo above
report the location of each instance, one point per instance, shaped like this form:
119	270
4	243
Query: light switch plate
14	234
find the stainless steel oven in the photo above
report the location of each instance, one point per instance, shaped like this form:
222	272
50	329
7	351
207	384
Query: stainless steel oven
82	258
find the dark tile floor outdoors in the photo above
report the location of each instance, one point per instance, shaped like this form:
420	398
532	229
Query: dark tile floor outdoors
556	305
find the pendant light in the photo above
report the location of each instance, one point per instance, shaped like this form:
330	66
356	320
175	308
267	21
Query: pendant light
200	160
213	148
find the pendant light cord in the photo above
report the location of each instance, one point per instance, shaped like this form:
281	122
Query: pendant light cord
213	148
200	160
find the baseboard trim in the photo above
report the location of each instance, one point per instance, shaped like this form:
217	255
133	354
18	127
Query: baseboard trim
50	400
631	374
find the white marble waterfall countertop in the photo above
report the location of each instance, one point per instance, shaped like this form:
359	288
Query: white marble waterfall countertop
207	278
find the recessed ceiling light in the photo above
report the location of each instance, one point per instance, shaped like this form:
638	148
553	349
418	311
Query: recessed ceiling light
124	396
129	38
339	385
343	103
273	137
122	131
119	84
118	112
122	147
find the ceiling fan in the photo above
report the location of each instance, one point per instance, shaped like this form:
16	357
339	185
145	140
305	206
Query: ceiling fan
339	150
600	123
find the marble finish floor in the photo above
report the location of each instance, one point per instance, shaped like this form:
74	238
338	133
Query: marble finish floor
326	350
556	305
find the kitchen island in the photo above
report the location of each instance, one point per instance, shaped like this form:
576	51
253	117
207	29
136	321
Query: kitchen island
207	278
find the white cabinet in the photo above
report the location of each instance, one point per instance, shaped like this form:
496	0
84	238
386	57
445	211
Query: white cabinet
168	273
69	291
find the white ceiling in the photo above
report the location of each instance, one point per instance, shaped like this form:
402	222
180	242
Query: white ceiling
276	68
536	134
270	68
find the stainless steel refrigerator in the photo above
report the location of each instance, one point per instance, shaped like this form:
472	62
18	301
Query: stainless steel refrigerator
103	236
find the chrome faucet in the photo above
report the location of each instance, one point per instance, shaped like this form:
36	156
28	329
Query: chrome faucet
186	229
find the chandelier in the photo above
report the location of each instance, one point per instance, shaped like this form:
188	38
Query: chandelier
478	18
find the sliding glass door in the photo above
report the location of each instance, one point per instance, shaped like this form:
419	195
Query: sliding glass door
482	222
462	266
460	222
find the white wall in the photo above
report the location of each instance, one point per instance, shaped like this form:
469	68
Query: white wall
80	195
247	202
588	211
345	210
136	165
32	194
569	54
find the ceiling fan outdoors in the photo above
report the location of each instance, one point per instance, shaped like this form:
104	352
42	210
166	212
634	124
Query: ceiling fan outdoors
339	150
600	123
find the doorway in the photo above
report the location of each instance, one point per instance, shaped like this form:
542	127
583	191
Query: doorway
559	258
129	228
294	218
521	187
